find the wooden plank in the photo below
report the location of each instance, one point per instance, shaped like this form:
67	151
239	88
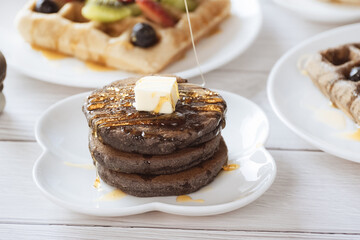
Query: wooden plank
313	192
39	232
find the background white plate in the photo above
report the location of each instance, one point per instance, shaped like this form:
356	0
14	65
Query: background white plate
63	133
299	104
236	35
322	11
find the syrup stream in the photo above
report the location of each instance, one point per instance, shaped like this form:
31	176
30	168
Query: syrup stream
193	44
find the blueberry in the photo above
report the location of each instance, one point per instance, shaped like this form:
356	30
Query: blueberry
143	35
46	6
355	74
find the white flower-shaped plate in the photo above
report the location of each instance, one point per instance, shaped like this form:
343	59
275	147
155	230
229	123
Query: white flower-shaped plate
64	171
326	12
303	108
234	36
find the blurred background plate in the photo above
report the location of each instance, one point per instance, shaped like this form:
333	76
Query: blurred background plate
316	10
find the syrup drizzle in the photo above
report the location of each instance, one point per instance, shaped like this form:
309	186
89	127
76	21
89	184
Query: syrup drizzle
96	67
49	54
78	165
231	167
116	194
353	135
186	198
193	44
112	107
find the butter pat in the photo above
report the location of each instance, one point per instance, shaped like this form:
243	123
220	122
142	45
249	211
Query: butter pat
156	94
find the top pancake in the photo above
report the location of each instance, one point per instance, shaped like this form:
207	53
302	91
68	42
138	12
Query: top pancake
198	117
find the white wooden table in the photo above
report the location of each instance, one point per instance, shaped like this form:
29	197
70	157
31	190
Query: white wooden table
315	195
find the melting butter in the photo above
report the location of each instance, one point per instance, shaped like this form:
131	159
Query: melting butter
186	198
49	54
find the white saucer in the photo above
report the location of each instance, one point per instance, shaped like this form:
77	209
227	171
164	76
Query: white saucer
235	36
62	132
319	11
303	108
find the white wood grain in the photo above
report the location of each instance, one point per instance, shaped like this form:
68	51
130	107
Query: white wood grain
315	195
40	232
313	192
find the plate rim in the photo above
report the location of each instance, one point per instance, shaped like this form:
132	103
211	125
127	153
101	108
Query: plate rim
312	139
185	73
154	206
346	19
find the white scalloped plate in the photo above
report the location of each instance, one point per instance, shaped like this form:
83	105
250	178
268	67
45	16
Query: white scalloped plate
235	36
325	12
62	131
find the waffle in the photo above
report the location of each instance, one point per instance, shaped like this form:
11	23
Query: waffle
67	31
330	70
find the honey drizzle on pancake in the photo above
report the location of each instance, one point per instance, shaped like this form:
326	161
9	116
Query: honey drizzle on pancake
193	44
113	107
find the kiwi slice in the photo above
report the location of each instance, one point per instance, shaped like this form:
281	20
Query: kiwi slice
105	10
135	10
180	4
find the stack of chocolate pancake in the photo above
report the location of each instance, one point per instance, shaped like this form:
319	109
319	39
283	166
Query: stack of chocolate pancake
147	154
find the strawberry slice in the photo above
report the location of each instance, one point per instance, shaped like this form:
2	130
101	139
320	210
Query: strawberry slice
155	12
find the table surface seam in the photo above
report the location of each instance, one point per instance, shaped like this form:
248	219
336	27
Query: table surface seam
185	229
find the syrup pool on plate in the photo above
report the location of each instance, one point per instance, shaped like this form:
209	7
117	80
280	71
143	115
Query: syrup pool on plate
49	54
55	55
186	198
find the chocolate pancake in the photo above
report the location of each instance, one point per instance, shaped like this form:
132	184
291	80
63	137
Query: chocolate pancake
152	164
199	117
180	183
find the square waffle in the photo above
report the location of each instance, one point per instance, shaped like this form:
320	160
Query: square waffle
67	31
330	72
